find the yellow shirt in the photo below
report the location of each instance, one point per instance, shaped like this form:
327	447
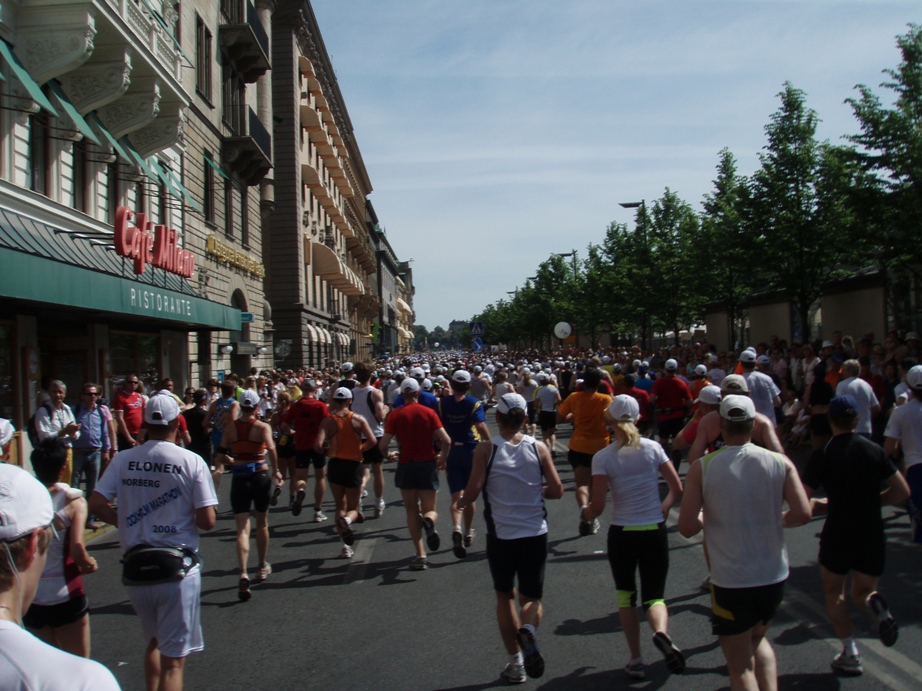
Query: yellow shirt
589	431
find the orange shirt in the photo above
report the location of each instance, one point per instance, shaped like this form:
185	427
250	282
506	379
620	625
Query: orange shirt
345	443
589	431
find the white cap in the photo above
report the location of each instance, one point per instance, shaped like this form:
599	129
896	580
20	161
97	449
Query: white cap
748	355
701	369
671	364
346	367
25	503
249	399
461	376
828	344
427	384
734	383
737	408
418	373
764	360
409	385
624	408
342	394
542	377
709	394
914	377
712	359
510	401
161	410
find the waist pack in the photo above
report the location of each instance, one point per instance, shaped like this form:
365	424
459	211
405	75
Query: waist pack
147	565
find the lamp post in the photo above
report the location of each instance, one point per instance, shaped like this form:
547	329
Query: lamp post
572	255
642	205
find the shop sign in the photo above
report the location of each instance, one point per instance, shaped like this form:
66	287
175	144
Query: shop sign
226	253
158	248
159	303
246	348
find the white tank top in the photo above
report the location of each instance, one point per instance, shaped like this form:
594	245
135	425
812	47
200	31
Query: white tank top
360	400
743	494
58	584
512	493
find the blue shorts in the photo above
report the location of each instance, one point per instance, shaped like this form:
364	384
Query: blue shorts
458	467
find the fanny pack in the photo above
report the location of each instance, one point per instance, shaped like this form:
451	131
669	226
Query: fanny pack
147	565
248	469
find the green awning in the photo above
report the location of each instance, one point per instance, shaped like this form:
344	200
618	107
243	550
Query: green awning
86	289
216	167
23	74
185	192
107	135
137	158
72	112
158	167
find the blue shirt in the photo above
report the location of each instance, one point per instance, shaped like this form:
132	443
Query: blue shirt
426	398
459	418
94	430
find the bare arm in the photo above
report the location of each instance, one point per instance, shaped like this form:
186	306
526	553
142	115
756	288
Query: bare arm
384	443
206	517
897	490
206	422
599	493
327	428
553	489
77	512
478	475
440	437
100	507
799	511
363	429
690	522
671	476
699	446
482	430
765	436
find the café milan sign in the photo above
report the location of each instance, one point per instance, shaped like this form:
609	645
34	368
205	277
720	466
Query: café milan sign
158	248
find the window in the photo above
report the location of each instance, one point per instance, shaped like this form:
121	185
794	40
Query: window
208	190
140	198
39	152
244	217
134	352
229	208
234	101
79	165
113	190
203	52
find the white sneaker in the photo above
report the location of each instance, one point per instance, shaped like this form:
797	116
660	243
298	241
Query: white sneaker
849	665
319	517
514	674
379	508
364	493
346	553
264	571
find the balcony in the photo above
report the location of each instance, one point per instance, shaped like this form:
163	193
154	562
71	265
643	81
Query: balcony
243	39
248	151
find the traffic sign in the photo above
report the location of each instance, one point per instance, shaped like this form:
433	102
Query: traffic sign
246	317
478	345
476	328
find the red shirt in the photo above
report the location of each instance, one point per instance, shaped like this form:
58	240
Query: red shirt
413	425
643	400
305	416
132	407
671	392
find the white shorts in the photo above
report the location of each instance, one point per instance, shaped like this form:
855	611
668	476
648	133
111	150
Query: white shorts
170	612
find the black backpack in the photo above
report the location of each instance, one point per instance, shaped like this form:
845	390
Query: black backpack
32	428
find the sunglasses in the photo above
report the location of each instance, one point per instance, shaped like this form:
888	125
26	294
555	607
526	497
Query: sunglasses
90	393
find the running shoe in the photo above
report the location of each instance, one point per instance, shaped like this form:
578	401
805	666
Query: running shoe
319	516
706	583
634	670
887	630
457	544
346	530
298	503
379	508
849	665
419	564
346	553
534	662
469	538
675	660
432	538
360	517
243	590
514	674
595	526
275	495
364	493
585	528
264	571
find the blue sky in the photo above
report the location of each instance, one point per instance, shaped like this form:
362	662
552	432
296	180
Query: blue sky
497	132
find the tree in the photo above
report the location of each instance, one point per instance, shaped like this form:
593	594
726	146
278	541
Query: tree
798	215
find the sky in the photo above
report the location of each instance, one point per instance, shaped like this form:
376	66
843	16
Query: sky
498	132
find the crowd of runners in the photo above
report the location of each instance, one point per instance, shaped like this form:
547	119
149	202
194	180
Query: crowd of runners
151	459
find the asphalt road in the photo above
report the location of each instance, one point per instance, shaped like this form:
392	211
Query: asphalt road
321	622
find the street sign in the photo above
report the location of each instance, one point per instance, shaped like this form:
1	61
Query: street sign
246	317
478	345
476	328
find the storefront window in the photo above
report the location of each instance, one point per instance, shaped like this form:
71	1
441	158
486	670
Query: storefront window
133	352
6	371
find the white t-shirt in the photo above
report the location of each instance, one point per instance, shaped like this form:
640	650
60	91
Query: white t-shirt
547	396
864	396
762	391
905	424
28	664
633	476
158	486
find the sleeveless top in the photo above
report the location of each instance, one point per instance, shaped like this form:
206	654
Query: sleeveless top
61	580
344	445
743	489
244	450
219	419
512	490
362	405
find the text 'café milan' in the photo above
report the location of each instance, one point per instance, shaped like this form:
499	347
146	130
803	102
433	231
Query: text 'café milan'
159	248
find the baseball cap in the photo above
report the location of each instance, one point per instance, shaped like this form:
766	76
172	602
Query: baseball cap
417	373
709	394
914	377
701	369
345	367
161	410
671	364
292	382
624	408
461	376
427	384
409	385
542	377
712	359
25	503
912	336
510	401
748	355
737	408
734	383
249	399
827	344
308	384
843	406
342	394
764	360
478	368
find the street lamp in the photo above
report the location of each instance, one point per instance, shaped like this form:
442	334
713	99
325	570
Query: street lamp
642	205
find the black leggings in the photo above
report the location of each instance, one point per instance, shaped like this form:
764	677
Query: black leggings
646	549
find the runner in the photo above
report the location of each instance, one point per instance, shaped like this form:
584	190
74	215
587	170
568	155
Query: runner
631	467
671	398
341	436
851	469
416	427
246	445
547	398
511	471
303	418
368	401
904	433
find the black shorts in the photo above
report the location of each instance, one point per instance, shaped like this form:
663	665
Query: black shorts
736	610
61	614
547	420
341	471
251	490
532	411
647	550
671	428
286	450
308	457
841	554
373	455
417	475
579	459
524	558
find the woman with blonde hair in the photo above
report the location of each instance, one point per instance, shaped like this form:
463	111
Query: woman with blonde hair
631	467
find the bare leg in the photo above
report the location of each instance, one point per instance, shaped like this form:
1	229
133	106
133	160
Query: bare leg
171	673
582	475
351	500
508	620
243	541
320	486
862	587
300	483
74	637
152	666
262	536
427	499
630	622
658	617
836	609
377	470
532	610
411	505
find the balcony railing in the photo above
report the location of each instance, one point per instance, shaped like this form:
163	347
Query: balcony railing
244	40
249	152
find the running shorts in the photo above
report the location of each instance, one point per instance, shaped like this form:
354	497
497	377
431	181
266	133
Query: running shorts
458	467
417	475
547	420
170	612
843	553
579	459
736	610
251	490
373	455
643	547
346	473
524	557
61	614
308	457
